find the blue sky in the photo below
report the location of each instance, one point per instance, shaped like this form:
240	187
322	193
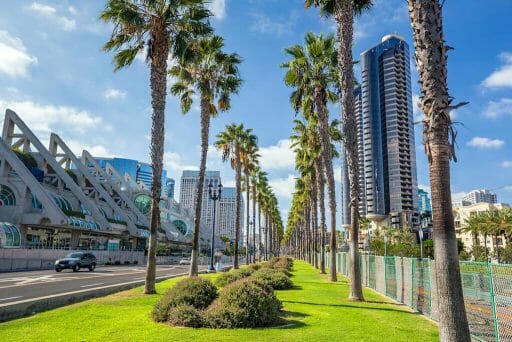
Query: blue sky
54	74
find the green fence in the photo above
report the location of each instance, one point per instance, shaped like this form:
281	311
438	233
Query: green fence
487	289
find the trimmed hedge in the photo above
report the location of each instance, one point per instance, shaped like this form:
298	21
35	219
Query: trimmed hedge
232	276
185	315
253	267
277	279
244	304
194	291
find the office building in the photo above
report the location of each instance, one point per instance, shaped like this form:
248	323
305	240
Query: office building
387	156
424	204
480	196
170	187
227	215
188	188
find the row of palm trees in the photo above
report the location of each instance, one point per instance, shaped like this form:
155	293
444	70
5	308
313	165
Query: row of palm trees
239	146
180	31
494	223
313	73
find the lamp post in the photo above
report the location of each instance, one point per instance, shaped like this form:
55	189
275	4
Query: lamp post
420	234
214	193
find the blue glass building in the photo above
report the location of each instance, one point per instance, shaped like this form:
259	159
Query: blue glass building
170	187
141	172
424	201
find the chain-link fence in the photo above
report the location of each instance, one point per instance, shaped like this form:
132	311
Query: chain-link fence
487	289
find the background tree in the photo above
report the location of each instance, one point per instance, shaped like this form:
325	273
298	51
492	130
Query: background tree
161	27
438	136
214	75
249	163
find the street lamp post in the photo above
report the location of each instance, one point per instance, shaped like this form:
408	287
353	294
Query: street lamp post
214	193
420	233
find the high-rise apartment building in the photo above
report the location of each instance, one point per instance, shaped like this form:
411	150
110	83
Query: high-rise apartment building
387	157
226	212
480	196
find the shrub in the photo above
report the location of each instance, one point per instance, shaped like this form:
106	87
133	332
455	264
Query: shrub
127	262
135	262
194	291
185	315
243	304
117	262
274	278
231	276
253	267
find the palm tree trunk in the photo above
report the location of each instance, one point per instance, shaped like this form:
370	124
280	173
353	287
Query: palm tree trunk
158	81
321	204
327	160
254	219
344	16
238	198
430	54
259	232
248	217
314	218
205	128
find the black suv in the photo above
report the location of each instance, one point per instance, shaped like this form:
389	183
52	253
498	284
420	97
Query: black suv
75	261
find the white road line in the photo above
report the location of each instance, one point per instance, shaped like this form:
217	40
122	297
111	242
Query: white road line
2	299
89	285
139	278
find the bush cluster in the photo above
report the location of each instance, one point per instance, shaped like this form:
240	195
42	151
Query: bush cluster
244	304
196	292
247	299
274	278
232	276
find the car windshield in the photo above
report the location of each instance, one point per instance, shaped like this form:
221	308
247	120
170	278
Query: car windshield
74	255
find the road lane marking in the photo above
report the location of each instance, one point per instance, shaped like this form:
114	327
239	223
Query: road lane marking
141	278
89	285
2	299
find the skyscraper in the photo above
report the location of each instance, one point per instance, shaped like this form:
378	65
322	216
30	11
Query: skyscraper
226	210
480	196
170	187
424	202
387	157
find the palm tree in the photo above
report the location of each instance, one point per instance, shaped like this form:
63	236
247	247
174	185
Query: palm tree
262	190
343	12
163	28
255	174
312	72
438	136
231	143
215	76
249	163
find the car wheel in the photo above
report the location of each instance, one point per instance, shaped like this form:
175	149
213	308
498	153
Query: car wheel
92	267
58	269
76	268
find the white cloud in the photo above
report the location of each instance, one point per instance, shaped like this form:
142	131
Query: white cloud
114	94
508	188
218	8
457	196
265	24
283	187
502	77
280	156
174	164
480	142
46	118
506	164
499	108
424	187
95	150
72	10
14	58
64	22
417	112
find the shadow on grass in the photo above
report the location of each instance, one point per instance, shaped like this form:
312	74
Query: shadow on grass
349	306
326	283
291	320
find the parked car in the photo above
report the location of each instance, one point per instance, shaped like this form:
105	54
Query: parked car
75	261
185	261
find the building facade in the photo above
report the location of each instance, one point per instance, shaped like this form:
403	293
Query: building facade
387	156
480	196
170	187
226	209
424	204
462	215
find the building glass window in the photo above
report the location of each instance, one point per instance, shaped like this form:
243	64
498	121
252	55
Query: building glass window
143	203
7	197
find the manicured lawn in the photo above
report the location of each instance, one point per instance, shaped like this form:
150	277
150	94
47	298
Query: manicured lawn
316	311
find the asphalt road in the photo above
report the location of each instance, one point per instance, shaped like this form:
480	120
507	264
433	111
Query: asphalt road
23	286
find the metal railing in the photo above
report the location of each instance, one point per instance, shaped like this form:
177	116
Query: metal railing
487	289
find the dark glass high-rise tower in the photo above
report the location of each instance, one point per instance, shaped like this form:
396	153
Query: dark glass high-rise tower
387	155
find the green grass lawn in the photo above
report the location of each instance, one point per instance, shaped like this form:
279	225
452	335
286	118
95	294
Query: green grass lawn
316	310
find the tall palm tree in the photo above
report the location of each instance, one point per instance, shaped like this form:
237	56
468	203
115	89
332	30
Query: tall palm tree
163	28
343	12
312	72
262	190
438	136
254	181
231	143
214	75
249	163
